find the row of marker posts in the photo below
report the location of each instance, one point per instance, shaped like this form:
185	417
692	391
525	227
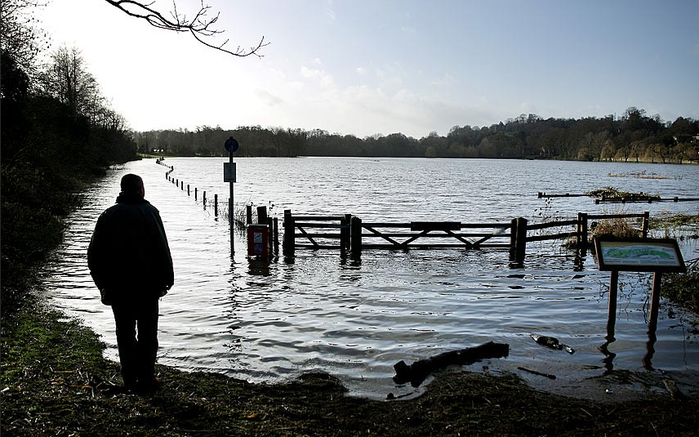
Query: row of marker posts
180	184
259	236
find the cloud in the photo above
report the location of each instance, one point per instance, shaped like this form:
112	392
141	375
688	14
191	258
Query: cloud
330	11
446	80
310	73
325	80
366	104
268	98
389	79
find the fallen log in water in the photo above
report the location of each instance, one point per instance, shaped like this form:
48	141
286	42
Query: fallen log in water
419	370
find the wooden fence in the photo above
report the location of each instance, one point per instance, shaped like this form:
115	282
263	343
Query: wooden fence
349	234
316	232
429	235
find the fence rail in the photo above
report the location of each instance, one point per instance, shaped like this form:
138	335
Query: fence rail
350	234
413	235
630	198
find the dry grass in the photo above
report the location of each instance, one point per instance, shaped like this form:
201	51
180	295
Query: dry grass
615	227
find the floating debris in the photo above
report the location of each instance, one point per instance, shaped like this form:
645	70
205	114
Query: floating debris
643	175
611	193
552	342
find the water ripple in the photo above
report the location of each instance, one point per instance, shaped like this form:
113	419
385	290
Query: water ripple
355	320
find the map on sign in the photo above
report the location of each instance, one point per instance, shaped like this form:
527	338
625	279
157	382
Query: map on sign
639	255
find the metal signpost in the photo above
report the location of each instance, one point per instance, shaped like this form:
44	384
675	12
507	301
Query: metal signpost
229	176
638	255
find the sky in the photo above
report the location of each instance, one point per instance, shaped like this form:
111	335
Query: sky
368	67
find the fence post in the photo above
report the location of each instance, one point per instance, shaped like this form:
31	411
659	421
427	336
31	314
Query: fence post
356	237
270	234
248	214
289	230
203	199
345	234
188	192
521	239
215	205
262	214
513	239
581	235
195	193
275	231
646	224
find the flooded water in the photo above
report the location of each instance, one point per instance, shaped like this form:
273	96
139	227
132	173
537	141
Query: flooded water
355	320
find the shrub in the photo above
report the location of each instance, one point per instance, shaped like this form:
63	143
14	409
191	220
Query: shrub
683	288
616	227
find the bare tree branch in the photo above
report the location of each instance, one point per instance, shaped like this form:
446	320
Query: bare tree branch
21	34
200	27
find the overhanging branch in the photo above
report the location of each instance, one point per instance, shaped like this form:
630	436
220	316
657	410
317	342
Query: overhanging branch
200	27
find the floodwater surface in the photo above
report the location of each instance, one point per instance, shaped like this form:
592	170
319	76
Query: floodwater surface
273	321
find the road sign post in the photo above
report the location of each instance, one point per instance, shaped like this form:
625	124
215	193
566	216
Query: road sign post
230	177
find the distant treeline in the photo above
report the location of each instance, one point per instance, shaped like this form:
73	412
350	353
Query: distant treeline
633	137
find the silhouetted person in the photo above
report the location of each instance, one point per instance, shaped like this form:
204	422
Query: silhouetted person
129	260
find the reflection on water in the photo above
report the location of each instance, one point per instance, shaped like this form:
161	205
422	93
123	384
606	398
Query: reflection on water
650	350
270	321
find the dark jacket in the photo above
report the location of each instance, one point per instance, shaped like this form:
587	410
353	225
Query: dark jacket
129	254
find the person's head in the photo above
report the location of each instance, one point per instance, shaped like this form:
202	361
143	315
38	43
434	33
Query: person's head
133	184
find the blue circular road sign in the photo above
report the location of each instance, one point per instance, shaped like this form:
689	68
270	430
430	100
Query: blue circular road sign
232	144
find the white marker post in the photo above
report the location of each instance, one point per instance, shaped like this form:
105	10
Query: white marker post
229	176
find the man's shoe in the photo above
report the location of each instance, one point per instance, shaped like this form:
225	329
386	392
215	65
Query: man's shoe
149	386
130	385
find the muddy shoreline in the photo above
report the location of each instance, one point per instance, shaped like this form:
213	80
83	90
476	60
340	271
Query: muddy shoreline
56	381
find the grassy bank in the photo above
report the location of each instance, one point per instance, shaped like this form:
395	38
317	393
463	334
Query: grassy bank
55	382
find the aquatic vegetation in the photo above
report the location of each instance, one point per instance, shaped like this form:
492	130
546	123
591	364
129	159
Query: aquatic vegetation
683	288
616	227
680	226
614	193
642	175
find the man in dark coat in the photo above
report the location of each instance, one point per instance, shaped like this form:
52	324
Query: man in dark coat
130	262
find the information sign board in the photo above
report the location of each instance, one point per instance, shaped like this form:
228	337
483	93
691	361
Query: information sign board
639	255
229	172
